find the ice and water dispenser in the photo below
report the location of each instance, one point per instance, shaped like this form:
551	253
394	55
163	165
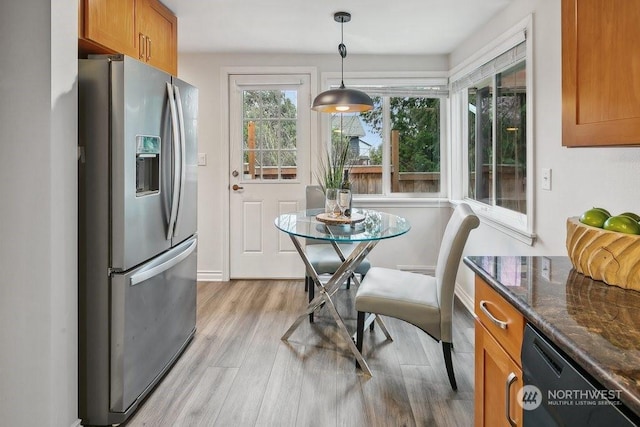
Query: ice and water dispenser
147	165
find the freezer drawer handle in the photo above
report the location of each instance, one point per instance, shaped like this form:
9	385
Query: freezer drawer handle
154	271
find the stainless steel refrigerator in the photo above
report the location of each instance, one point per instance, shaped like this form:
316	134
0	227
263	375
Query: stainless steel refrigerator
137	231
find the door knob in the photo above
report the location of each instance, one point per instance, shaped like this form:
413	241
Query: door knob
236	187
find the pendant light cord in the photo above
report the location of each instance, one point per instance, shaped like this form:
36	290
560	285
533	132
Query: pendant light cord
342	50
342	100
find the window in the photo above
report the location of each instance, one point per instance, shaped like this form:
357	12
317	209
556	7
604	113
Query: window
269	128
269	124
396	148
497	157
491	134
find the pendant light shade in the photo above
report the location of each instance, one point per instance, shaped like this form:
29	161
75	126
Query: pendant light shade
342	100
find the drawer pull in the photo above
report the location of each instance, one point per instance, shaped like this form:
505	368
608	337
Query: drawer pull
510	380
499	323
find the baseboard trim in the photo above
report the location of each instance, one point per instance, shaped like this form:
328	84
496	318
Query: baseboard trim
465	298
209	276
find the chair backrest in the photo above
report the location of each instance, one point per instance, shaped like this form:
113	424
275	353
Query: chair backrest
315	197
315	200
455	237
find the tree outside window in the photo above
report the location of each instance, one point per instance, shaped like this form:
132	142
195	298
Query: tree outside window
413	134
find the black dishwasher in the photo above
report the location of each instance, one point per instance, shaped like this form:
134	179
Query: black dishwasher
556	392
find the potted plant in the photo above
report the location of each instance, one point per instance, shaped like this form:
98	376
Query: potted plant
332	165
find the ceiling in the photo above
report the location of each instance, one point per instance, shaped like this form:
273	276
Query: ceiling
409	27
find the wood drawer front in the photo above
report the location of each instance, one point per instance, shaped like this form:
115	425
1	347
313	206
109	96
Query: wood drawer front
497	381
504	322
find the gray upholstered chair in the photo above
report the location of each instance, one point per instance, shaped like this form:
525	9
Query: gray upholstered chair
424	301
321	254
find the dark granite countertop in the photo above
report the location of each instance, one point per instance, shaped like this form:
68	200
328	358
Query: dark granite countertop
596	325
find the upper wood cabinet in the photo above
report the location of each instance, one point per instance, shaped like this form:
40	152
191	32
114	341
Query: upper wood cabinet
110	24
600	72
144	29
157	28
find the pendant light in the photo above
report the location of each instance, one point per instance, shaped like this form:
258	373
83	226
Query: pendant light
342	100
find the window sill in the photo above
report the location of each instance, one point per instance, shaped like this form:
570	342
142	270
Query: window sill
405	202
487	218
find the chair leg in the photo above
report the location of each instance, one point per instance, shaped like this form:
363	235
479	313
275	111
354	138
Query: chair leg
359	333
312	295
446	349
306	283
349	281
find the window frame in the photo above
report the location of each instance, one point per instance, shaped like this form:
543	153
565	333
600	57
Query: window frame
513	223
280	81
394	80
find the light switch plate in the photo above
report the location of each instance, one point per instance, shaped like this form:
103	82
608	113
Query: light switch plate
546	179
202	159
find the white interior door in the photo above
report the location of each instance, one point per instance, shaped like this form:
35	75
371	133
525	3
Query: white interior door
269	159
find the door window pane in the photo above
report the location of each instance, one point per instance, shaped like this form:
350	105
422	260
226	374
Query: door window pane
269	120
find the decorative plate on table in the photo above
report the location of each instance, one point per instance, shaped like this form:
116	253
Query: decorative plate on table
340	220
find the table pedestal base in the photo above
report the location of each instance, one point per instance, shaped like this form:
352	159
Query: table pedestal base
345	270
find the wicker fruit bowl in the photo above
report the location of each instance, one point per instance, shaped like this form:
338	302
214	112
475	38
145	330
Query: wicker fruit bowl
609	256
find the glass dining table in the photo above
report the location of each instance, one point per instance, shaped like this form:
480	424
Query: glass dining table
366	228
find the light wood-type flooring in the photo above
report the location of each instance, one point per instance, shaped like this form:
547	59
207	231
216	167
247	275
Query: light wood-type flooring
237	371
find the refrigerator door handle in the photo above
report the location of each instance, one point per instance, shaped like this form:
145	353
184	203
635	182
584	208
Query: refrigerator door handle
176	153
145	274
183	150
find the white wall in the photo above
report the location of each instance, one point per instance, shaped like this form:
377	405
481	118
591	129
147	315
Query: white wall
204	71
38	213
581	177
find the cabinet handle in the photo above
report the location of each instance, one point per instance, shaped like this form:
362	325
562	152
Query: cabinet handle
148	48
142	46
499	323
510	380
